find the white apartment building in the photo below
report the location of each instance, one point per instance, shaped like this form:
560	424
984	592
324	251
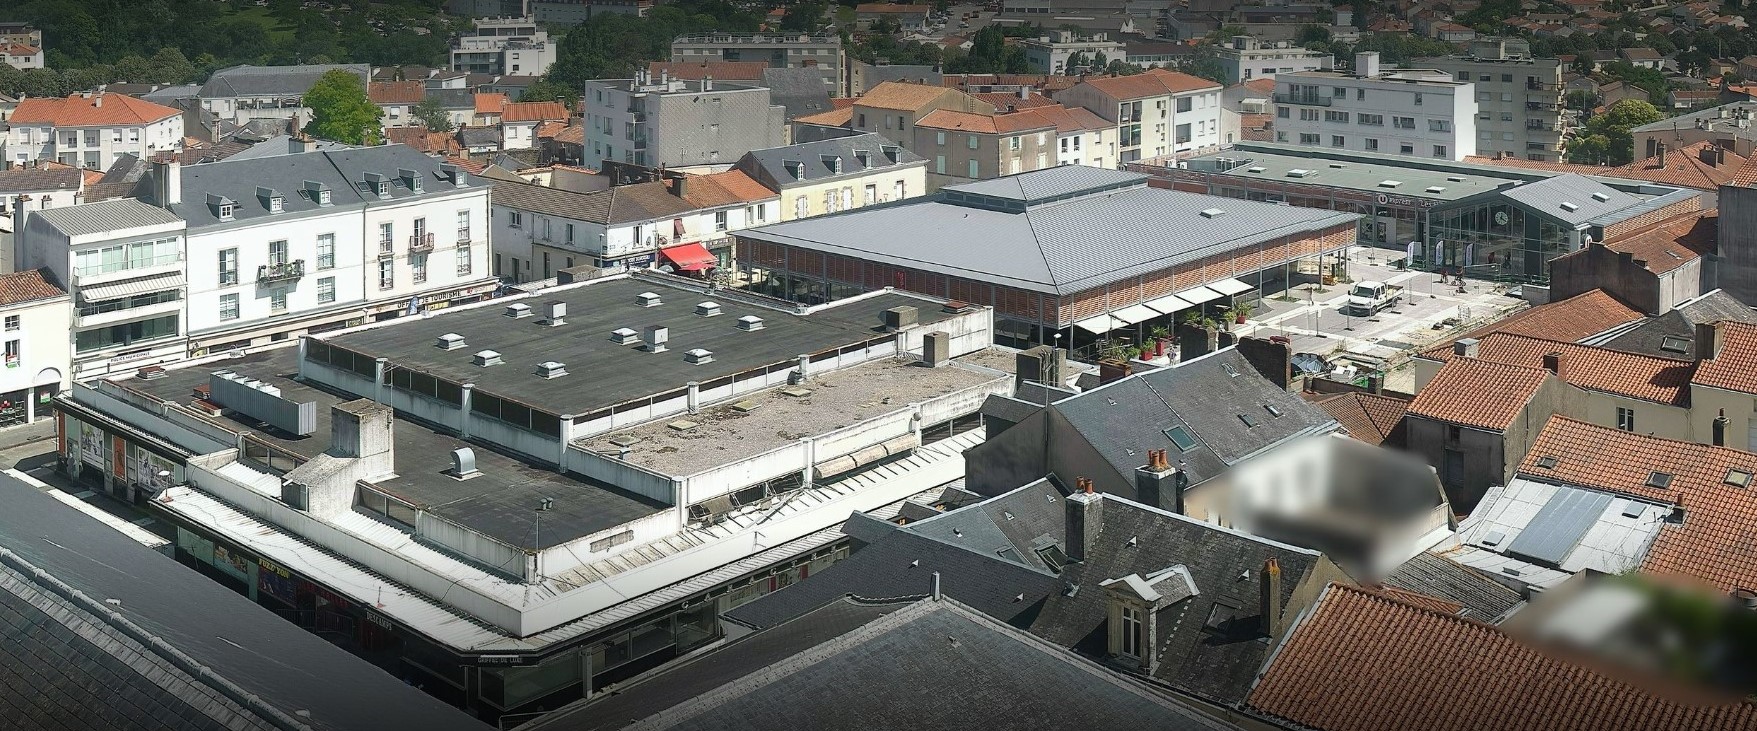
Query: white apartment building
1415	113
502	46
1247	58
35	318
91	130
1157	113
243	93
675	123
22	56
1519	98
122	262
837	174
1049	54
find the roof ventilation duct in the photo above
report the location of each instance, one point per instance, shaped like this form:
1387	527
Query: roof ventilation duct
1213	213
486	358
554	313
707	309
698	356
463	463
655	337
551	369
749	323
449	341
624	336
648	299
518	310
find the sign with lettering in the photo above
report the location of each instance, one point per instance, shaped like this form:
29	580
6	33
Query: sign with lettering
1403	200
275	581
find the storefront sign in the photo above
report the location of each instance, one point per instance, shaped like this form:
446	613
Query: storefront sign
275	581
1403	200
231	562
378	619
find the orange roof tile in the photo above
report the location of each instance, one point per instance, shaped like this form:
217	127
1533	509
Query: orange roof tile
77	110
549	129
698	70
1478	393
961	121
901	96
1746	175
1368	417
1002	100
1671	244
1644	377
1717	540
573	134
841	117
30	284
1152	82
490	103
1734	365
1684	167
1366	661
1264	86
20	49
396	92
724	189
533	112
1422	601
1573	319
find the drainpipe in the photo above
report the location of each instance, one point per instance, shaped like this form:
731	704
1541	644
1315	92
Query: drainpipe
810	459
694	399
469	390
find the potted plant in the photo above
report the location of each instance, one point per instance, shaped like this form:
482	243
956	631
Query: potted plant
1240	311
1160	334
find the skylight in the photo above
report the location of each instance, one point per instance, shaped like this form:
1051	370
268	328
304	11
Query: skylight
1660	480
1273	411
1390	183
1740	476
1250	421
1547	462
1674	344
1181	437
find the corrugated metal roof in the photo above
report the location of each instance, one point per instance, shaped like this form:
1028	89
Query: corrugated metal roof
104	216
1041	184
1554	196
1559	524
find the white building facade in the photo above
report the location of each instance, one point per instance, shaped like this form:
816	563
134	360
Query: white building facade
1414	113
1247	58
91	130
1156	114
35	317
1049	54
502	46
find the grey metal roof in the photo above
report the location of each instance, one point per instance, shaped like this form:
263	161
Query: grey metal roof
251	81
170	94
1552	197
769	166
1559	524
293	673
102	217
801	91
1724	117
282	144
1118	231
342	170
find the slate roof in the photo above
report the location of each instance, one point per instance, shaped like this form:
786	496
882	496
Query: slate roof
103	217
342	170
616	205
1679	325
1478	393
1152	82
1637	376
1549	195
28	285
1371	418
801	91
288	81
94	670
28	180
1363	661
1734	366
114	110
480	136
1717	540
769	166
1478	595
932	664
1102	226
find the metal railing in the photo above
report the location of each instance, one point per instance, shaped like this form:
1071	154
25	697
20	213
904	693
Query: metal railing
420	242
1306	99
386	247
282	272
464	235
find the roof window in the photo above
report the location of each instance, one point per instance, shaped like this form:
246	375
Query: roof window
1601	197
1569	207
1674	344
1660	480
1547	462
1181	437
1250	421
1739	476
1390	183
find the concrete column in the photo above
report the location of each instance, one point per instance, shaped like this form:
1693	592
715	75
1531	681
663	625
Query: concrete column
810	459
469	390
694	398
378	380
562	457
302	343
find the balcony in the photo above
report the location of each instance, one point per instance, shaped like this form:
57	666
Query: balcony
283	272
1310	100
1543	107
420	243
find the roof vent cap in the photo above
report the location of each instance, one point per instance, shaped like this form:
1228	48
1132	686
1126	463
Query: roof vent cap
449	341
518	310
1570	207
750	322
647	299
554	313
698	356
624	336
1436	188
1298	173
1601	197
1390	183
463	463
486	358
551	369
1213	213
654	338
707	309
1455	178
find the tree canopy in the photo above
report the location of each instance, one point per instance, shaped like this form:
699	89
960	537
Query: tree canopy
1606	139
340	110
432	115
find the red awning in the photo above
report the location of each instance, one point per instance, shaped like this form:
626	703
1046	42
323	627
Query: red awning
690	257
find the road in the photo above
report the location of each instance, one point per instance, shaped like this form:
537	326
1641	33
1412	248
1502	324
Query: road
31	449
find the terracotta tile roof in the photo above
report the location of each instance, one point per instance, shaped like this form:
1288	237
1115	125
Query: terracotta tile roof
549	129
1673	243
473	167
840	117
1001	100
1264	86
1573	319
1644	377
31	284
842	102
421	139
1717	540
696	71
573	134
724	189
901	96
532	111
1152	82
1684	167
1368	417
1423	601
20	49
490	103
1478	393
1066	121
1746	175
1734	366
101	109
1364	661
396	92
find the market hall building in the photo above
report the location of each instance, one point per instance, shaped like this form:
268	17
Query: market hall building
519	503
1070	251
1503	224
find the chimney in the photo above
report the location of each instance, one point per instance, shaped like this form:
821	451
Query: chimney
708	83
167	182
1024	93
1113	369
1556	363
1270	604
1155	479
1366	64
1084	518
1720	424
98	101
680	186
1465	347
1707	340
1662	155
1709	156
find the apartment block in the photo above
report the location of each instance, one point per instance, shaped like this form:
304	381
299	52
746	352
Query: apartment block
91	130
501	46
1415	113
1247	58
1157	113
665	121
1049	54
1519	98
778	50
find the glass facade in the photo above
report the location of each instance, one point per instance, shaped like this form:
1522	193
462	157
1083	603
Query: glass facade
1497	240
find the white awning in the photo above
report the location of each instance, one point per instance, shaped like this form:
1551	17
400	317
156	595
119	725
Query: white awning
130	288
1099	325
1198	295
1230	287
1168	304
1135	313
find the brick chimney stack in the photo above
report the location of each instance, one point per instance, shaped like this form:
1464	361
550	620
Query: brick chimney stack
1270	585
1084	518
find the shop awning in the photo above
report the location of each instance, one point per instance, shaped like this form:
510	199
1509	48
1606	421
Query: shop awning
1198	295
1135	313
689	257
1168	304
130	288
1099	325
1230	287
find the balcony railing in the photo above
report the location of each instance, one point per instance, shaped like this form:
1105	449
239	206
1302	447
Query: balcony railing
1313	100
286	271
1543	106
463	236
420	242
386	248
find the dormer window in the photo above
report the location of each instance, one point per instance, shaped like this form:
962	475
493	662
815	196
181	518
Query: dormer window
323	197
276	204
226	211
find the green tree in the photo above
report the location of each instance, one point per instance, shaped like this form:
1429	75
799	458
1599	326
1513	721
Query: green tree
1607	139
544	90
432	115
1309	34
1580	99
340	110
